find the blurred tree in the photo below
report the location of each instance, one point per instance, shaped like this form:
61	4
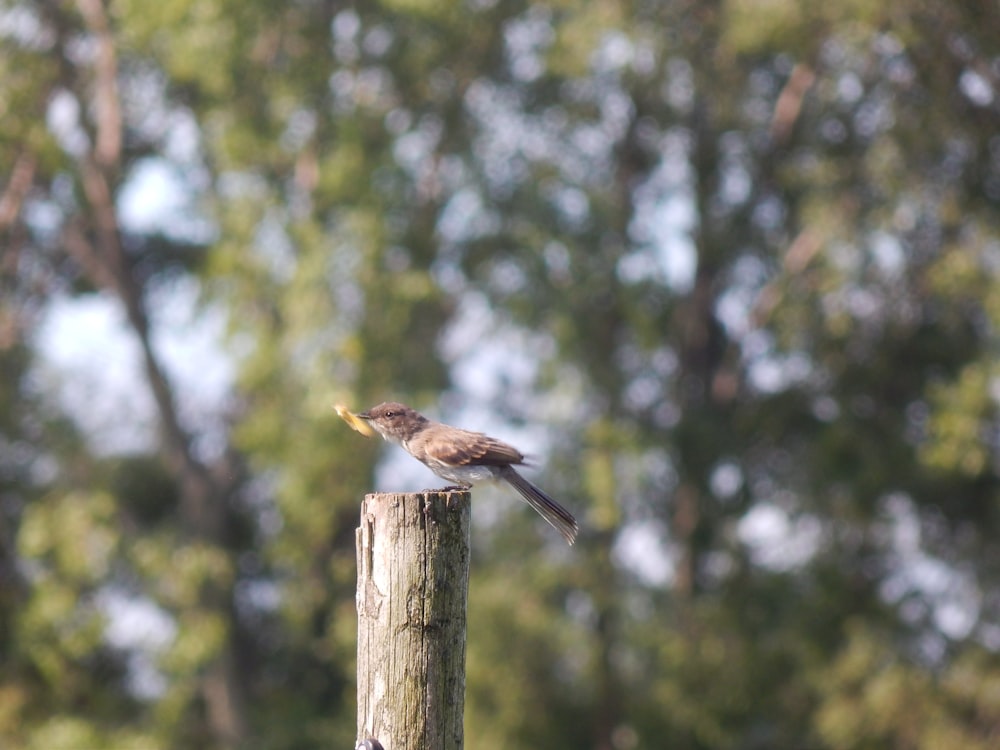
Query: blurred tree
739	258
790	374
73	141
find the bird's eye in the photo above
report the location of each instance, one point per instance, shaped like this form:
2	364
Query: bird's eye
390	414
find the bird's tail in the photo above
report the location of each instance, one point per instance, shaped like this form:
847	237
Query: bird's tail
560	518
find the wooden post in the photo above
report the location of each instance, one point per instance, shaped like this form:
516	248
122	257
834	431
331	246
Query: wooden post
413	582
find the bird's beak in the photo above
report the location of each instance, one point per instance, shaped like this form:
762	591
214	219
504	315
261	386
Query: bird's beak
365	415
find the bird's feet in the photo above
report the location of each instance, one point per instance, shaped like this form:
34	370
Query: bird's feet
452	488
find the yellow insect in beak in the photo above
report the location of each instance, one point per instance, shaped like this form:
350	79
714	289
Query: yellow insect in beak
355	422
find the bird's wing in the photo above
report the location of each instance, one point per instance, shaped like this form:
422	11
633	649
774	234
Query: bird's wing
464	448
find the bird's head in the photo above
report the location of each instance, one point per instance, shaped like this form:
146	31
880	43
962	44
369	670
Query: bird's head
394	421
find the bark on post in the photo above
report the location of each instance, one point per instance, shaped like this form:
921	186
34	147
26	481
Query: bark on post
413	580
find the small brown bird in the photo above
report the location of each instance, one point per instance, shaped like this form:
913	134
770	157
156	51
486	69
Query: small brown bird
464	458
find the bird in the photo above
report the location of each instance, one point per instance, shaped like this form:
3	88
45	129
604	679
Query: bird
465	458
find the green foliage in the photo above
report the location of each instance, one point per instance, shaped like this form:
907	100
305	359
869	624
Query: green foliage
871	699
738	258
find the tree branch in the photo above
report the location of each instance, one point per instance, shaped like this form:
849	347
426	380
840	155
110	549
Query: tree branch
21	178
107	150
789	103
